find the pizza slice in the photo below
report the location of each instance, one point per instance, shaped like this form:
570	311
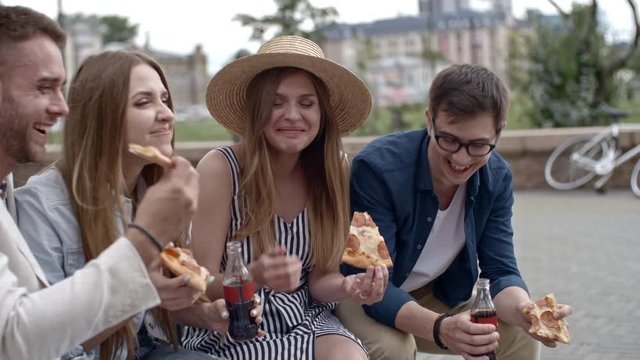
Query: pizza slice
150	153
543	324
180	262
365	246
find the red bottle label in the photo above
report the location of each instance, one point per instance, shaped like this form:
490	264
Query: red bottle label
239	293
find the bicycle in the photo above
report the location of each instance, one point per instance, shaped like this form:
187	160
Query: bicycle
580	159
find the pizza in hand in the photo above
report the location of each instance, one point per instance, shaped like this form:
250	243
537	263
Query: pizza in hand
181	262
365	245
543	324
150	153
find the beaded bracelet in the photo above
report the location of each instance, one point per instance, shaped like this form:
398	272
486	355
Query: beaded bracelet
148	234
436	331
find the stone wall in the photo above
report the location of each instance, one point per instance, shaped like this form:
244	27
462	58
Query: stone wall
526	150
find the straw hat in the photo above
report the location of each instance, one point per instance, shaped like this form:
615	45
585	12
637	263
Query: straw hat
226	93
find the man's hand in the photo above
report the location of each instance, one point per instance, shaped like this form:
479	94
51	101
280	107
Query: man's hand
562	312
166	209
467	338
168	205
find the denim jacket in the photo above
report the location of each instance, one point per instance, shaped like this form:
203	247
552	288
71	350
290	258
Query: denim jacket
48	223
390	179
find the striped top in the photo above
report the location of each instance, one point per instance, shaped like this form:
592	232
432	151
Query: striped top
291	321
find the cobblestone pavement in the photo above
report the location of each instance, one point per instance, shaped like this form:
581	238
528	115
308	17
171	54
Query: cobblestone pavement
585	248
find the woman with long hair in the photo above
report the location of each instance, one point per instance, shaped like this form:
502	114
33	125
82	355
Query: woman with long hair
73	210
283	192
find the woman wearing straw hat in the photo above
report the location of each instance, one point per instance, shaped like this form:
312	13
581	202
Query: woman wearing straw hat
283	192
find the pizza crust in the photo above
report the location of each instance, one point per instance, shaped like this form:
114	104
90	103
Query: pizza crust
543	324
359	260
180	262
150	153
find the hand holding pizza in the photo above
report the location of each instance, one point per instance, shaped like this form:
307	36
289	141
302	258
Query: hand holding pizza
367	288
173	292
546	320
277	270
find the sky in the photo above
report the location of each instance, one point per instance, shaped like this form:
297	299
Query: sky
180	28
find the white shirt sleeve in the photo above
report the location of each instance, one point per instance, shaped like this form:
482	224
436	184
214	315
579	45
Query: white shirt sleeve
46	323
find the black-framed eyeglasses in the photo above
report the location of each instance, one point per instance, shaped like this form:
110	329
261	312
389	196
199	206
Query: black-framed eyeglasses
452	144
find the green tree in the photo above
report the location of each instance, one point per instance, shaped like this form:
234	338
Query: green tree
117	29
291	17
365	55
570	68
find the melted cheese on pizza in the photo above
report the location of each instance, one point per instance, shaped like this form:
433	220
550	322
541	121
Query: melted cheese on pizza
369	235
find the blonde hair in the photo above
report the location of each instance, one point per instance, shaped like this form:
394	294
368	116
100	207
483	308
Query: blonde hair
91	164
323	167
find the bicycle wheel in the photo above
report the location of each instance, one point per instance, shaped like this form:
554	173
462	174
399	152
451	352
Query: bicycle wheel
564	173
635	179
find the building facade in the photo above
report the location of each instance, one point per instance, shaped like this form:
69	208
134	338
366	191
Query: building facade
444	32
186	74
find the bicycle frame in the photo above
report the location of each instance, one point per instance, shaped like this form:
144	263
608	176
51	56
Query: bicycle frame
612	157
580	159
628	155
603	137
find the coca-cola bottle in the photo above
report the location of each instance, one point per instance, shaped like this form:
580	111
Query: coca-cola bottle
483	311
238	294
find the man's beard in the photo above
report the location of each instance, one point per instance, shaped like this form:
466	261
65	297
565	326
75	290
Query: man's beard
14	127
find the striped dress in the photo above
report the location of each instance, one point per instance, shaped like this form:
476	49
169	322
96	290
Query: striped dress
291	321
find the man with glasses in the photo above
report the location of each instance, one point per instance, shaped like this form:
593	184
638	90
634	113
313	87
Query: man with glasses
442	200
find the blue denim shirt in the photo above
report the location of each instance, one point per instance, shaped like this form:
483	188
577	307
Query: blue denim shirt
390	179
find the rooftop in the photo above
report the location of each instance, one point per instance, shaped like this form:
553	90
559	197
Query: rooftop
419	23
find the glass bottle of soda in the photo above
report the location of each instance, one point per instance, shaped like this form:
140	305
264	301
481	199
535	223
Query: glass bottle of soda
238	294
483	311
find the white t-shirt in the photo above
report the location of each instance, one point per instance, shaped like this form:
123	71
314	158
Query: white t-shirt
445	241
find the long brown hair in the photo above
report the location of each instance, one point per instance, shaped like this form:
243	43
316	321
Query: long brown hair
323	167
91	163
